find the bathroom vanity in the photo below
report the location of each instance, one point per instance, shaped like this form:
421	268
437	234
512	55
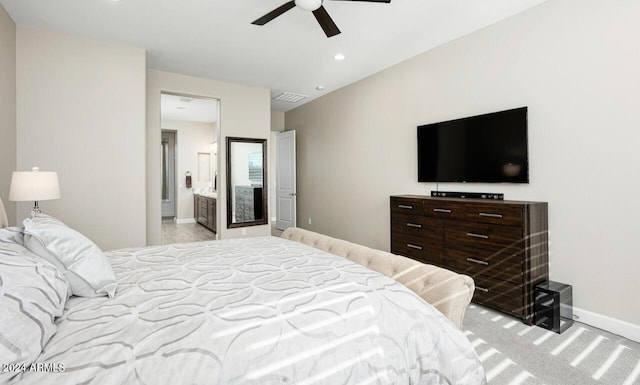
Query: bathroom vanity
204	210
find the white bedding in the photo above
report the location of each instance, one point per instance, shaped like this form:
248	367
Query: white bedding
253	311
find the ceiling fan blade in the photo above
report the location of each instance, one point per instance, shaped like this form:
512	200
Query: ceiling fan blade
275	13
328	26
369	1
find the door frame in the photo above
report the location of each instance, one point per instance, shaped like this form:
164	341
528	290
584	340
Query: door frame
217	156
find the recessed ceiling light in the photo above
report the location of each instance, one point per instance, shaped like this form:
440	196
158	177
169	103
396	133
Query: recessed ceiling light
339	57
320	88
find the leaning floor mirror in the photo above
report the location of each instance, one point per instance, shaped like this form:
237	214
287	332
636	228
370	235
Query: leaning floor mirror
246	182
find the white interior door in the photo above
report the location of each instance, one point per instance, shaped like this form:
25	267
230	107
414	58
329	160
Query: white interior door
285	180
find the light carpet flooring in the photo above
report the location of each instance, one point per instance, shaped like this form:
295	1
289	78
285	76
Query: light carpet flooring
513	353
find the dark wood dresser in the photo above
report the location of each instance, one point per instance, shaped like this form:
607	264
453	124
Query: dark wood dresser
502	245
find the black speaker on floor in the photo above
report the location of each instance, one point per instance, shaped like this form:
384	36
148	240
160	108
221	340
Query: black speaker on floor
553	306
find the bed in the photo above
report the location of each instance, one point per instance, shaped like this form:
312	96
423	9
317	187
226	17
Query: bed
262	310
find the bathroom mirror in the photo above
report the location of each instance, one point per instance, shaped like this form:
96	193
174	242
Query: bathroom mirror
246	182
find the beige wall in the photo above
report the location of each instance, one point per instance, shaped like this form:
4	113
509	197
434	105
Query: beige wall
277	121
7	109
575	64
191	139
81	112
244	111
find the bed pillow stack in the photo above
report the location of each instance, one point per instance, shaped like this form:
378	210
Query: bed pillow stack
32	294
41	266
85	267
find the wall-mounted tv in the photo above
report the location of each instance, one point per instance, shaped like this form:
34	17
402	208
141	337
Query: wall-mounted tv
489	148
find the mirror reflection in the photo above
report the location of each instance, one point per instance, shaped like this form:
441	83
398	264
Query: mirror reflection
246	182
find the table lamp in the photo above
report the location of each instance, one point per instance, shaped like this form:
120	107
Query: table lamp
34	185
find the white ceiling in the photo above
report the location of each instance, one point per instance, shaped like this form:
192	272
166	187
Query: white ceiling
215	38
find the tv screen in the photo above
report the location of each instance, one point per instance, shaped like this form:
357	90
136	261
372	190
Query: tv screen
489	148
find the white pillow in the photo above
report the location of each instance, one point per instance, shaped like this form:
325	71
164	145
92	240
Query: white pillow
32	294
82	262
12	235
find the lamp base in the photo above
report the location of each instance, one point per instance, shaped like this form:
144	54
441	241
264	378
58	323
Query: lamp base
36	209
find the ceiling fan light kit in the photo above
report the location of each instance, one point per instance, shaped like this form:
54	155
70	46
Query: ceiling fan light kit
314	6
308	5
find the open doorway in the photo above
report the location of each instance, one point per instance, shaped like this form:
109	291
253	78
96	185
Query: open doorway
189	126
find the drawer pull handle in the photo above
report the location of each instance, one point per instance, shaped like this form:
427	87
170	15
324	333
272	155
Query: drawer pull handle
482	289
478	261
414	225
442	211
474	235
414	246
405	207
490	215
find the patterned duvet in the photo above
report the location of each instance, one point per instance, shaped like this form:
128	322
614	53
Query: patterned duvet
253	311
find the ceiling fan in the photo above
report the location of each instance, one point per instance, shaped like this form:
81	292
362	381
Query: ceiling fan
315	6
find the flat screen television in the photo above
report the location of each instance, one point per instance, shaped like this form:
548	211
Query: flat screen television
489	148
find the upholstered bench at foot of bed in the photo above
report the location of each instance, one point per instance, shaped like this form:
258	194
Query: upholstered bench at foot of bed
447	291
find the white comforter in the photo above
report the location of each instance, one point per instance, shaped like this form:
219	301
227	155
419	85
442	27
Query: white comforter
253	311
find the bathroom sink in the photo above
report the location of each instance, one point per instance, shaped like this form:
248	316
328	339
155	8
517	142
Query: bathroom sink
209	194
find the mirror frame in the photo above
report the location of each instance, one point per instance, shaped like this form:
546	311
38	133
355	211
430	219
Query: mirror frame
265	216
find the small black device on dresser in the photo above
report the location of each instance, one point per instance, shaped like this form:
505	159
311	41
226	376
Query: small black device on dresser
470	195
554	306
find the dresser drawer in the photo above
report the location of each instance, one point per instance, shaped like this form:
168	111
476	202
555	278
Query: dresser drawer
419	226
503	267
416	248
496	214
444	209
495	238
406	206
505	296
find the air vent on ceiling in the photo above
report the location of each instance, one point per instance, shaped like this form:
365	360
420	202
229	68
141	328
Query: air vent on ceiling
290	97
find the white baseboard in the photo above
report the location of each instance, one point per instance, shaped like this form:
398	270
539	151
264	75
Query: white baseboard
185	220
613	325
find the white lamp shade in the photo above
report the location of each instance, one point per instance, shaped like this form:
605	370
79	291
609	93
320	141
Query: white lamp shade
34	186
